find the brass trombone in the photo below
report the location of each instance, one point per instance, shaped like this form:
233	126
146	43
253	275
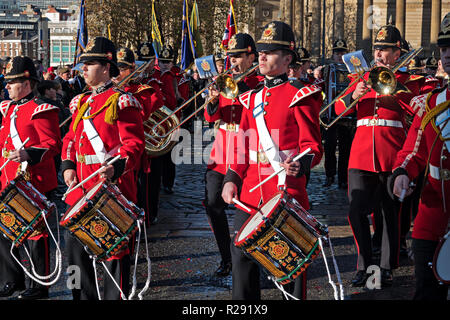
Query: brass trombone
381	79
224	82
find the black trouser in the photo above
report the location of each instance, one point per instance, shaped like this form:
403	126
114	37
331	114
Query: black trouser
341	136
215	210
427	286
405	222
246	274
142	180
409	210
10	271
154	186
119	269
168	170
363	188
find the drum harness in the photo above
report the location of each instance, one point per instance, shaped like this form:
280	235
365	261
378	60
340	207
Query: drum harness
18	144
274	157
99	148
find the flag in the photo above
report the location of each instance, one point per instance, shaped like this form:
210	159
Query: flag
195	26
82	33
230	30
187	42
156	35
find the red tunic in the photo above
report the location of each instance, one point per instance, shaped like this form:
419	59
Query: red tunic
168	81
292	118
429	83
151	99
39	122
229	113
377	142
126	134
431	220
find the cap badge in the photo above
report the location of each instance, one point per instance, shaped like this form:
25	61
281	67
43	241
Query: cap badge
89	46
232	43
9	66
121	54
145	50
381	34
269	32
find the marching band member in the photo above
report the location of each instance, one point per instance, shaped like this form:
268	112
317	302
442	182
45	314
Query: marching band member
169	88
379	135
289	111
26	116
242	53
427	148
151	99
106	122
340	135
146	52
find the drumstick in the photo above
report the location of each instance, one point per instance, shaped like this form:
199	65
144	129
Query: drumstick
402	195
297	157
241	204
20	147
65	121
91	176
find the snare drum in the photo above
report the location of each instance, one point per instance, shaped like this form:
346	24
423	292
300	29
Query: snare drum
103	220
441	260
22	208
282	237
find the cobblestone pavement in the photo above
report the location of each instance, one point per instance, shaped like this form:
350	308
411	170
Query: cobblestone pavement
184	254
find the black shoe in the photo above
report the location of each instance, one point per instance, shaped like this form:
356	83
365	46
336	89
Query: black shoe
223	270
10	288
168	190
386	277
328	182
360	278
33	294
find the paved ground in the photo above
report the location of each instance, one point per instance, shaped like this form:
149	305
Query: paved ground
184	254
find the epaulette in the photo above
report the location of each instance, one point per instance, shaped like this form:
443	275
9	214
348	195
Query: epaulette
183	80
244	98
431	79
127	100
74	102
418	104
43	108
305	92
414	77
143	87
4	106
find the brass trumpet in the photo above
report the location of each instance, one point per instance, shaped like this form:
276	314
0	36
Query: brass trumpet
228	88
381	79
